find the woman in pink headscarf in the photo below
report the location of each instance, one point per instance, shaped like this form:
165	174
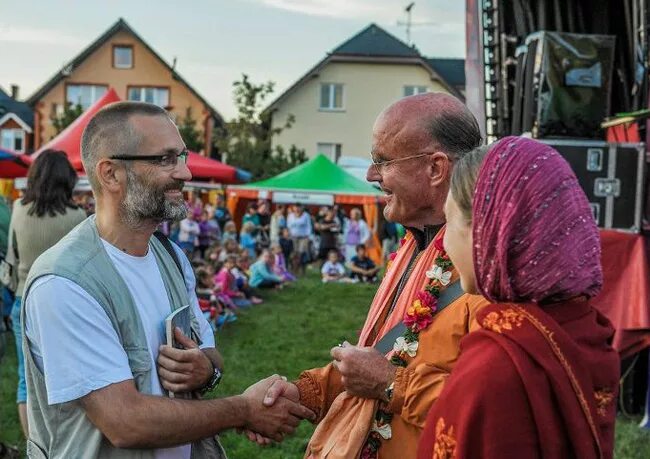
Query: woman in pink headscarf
539	379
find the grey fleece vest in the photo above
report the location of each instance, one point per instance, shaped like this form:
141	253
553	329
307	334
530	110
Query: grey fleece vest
63	430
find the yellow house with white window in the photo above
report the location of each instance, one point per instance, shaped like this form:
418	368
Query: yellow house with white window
336	102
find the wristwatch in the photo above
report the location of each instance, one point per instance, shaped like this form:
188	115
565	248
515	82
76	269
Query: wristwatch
213	382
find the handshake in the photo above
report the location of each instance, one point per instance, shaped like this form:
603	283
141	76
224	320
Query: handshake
274	410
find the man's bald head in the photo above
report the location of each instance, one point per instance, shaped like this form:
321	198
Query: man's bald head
438	119
111	132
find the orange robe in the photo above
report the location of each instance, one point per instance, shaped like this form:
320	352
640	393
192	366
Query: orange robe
344	420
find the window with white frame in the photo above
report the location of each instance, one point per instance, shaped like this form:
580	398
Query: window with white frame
13	139
123	56
331	150
412	90
331	96
84	94
158	96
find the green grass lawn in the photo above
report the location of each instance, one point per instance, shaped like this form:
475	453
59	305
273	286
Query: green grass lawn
292	331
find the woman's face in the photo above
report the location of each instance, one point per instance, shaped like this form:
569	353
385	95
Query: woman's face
458	243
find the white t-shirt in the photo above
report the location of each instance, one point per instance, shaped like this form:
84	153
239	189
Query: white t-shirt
299	225
189	230
332	269
74	343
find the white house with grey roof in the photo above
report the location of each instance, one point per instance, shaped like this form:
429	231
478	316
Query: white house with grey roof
336	102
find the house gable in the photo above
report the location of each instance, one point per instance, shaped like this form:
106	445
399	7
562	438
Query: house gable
119	33
375	41
12	121
371	45
149	78
20	110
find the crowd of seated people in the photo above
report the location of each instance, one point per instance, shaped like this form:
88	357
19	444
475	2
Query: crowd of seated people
231	265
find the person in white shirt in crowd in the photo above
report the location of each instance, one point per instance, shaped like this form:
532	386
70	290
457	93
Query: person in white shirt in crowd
97	365
301	230
355	232
188	234
278	221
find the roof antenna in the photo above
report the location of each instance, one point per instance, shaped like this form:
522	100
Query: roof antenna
409	23
174	64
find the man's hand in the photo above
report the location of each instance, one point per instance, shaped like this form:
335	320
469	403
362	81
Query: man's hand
272	422
365	372
183	370
279	388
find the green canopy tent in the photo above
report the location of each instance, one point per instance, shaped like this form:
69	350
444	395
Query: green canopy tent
318	182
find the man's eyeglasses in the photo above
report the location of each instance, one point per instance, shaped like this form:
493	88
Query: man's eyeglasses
168	160
380	164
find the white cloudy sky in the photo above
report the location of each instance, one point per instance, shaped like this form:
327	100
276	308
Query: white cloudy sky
215	41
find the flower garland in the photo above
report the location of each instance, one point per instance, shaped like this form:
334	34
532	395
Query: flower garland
416	318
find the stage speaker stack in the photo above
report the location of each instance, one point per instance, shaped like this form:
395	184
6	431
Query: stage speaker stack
563	85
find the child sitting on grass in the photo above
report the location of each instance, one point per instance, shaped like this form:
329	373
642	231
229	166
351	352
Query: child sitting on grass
280	264
363	268
262	275
230	247
241	271
227	282
333	270
217	308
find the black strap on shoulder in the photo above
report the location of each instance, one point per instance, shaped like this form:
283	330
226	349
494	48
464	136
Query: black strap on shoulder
164	240
447	296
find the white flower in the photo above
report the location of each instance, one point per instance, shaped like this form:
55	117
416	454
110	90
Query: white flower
401	345
385	431
436	273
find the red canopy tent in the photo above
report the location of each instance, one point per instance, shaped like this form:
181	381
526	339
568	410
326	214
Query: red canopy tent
69	141
13	164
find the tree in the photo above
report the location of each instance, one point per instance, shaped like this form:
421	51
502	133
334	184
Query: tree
64	119
190	134
247	140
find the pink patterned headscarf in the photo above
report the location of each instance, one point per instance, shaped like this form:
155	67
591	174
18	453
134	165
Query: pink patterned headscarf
535	239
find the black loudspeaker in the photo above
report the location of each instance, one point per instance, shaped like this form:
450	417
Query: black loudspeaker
563	84
612	177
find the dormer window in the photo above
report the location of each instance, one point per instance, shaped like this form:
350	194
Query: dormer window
123	56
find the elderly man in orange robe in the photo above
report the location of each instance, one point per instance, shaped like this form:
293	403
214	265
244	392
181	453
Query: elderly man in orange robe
372	400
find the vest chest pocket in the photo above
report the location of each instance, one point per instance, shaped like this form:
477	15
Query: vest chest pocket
140	364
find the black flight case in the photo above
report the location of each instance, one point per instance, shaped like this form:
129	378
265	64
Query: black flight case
612	175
